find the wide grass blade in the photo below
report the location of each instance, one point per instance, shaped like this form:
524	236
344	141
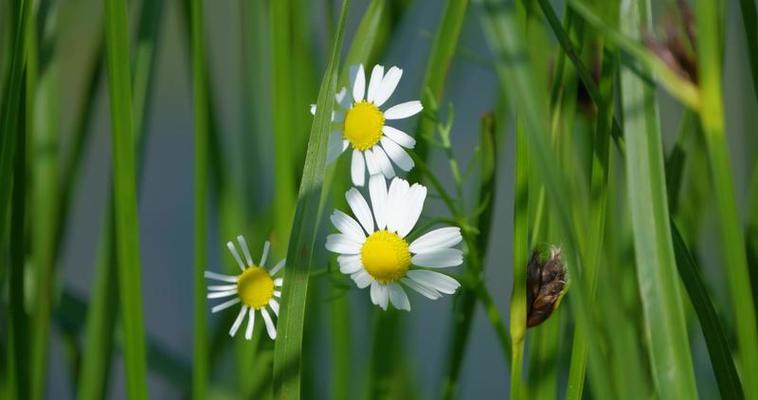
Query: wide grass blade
200	112
302	246
125	196
730	228
656	269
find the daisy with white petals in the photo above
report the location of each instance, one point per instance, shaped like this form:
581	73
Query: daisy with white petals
376	146
256	287
374	252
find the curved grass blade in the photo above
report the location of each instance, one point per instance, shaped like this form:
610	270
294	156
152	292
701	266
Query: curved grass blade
125	195
730	228
302	246
663	311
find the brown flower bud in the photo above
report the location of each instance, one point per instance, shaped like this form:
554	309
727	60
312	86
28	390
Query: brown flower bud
545	283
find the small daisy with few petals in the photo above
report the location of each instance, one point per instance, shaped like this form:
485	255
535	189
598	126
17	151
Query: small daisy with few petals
374	252
255	287
376	145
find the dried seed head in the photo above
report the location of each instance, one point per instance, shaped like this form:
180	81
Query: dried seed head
676	46
545	282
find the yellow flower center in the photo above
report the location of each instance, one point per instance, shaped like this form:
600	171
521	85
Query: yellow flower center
363	125
255	287
385	256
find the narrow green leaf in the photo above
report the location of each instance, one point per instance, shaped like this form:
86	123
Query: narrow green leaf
200	110
750	22
730	229
125	195
302	246
663	311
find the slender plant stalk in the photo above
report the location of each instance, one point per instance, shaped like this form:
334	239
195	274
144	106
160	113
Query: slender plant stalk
125	194
200	110
300	253
730	228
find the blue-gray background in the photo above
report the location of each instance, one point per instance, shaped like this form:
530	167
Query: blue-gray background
166	201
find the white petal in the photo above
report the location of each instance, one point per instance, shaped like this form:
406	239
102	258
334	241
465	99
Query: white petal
313	109
233	250
389	83
342	244
277	293
238	321
225	305
376	80
404	110
362	279
359	87
347	225
274	306
379	295
398	297
218	295
245	250
277	267
220	277
414	204
437	239
264	257
336	147
399	137
421	289
377	187
396	207
350	264
278	282
358	168
270	328
222	287
360	209
440	258
340	97
397	154
372	165
250	324
383	162
435	280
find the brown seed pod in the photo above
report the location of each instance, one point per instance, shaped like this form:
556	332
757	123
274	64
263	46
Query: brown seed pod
545	283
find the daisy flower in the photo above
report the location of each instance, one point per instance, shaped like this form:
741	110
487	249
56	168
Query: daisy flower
255	287
378	255
376	146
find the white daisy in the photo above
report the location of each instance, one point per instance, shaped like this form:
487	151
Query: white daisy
376	146
255	287
373	251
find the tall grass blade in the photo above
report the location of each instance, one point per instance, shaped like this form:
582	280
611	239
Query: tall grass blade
750	22
730	229
302	246
664	316
125	195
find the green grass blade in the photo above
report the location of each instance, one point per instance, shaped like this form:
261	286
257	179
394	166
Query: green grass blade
750	22
664	316
302	246
200	110
715	337
730	229
124	178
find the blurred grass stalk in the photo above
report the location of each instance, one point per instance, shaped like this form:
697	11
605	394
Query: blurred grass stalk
300	253
125	196
710	62
656	268
200	110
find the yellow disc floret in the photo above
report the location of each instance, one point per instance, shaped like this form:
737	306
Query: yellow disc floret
363	125
255	287
385	256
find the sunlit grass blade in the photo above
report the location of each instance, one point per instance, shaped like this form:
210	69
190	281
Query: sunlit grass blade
750	22
302	246
730	228
681	89
715	337
125	195
200	110
656	268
